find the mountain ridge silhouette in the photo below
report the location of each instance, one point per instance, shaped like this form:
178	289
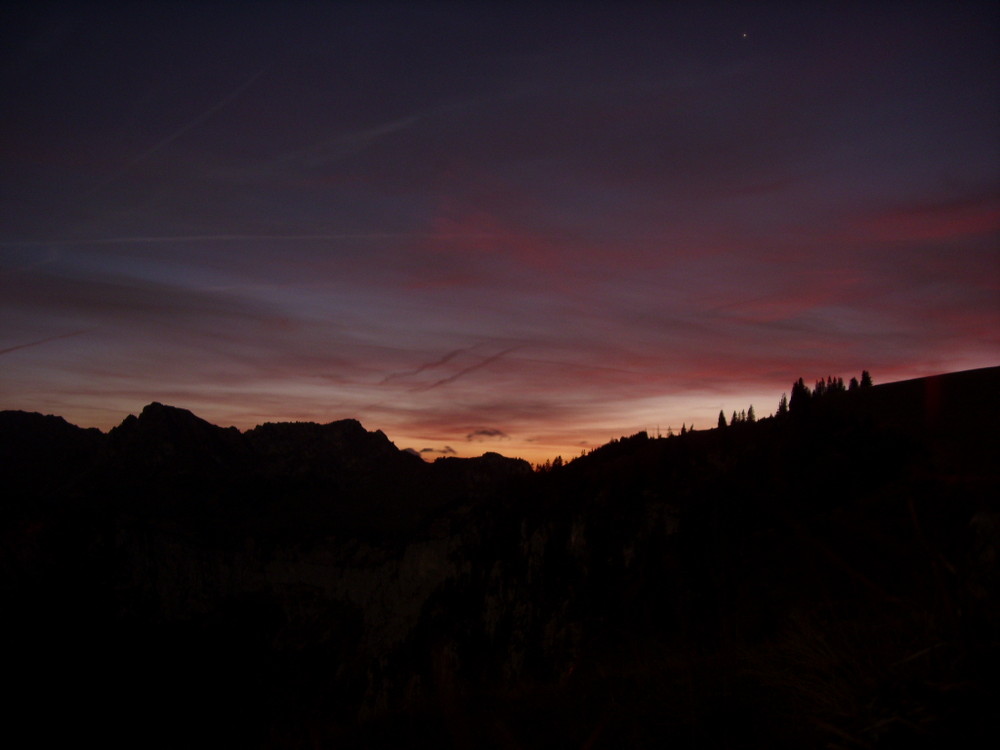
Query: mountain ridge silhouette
797	581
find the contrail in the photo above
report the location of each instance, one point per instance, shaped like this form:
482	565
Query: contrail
195	238
179	132
200	118
44	341
467	370
350	143
436	363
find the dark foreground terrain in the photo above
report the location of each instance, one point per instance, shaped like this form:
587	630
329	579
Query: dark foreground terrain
827	578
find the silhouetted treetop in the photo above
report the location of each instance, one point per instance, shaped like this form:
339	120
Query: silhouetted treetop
800	397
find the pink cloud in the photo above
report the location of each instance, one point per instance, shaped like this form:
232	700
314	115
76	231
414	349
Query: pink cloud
927	222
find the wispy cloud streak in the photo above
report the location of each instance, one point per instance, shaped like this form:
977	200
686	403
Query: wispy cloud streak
467	370
39	342
198	238
187	127
428	366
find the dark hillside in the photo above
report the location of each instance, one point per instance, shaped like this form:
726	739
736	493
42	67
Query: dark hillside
39	454
827	578
832	565
957	413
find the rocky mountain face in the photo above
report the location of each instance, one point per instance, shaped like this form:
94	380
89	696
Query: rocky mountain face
817	580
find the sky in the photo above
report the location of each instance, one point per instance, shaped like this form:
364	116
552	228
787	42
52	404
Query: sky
511	227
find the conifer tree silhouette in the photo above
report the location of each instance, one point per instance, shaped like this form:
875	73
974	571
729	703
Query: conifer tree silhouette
800	397
783	405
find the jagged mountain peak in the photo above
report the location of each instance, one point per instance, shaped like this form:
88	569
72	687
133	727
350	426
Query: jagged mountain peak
161	420
155	409
159	414
39	451
176	441
19	426
311	447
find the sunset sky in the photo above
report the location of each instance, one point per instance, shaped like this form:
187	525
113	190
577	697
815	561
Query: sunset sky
525	228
